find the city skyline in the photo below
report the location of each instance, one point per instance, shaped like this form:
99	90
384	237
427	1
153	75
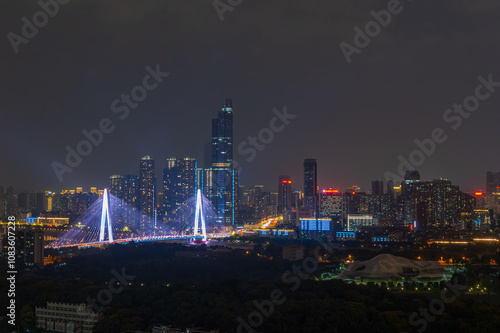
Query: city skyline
275	188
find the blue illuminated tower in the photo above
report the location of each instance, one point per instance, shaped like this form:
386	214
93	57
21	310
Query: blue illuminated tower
225	178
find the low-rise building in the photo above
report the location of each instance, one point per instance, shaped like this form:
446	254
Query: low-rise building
293	252
66	318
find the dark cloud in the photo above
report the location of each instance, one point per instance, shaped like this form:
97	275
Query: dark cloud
356	119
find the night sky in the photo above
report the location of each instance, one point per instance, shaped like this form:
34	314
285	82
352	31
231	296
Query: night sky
355	119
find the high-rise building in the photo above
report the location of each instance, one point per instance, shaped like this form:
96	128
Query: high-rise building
116	186
10	190
131	191
377	187
380	201
311	199
131	202
331	204
224	176
147	190
408	187
439	204
492	182
179	183
262	202
29	247
285	196
297	199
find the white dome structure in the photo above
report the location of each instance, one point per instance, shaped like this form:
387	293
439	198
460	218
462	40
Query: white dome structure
389	267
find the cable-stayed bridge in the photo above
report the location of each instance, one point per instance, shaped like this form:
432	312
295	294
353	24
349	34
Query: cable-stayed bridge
110	220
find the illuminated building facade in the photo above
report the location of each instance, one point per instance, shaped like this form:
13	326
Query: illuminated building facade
492	182
409	186
131	190
262	204
439	204
29	247
331	204
314	228
357	221
311	199
285	197
117	186
48	221
179	183
147	190
224	176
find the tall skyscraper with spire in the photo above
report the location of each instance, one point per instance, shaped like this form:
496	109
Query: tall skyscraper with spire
224	176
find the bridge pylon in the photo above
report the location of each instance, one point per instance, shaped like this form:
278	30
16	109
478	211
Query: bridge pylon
199	215
105	218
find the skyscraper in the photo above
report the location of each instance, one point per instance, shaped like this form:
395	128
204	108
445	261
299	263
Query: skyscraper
131	191
116	186
331	204
29	247
409	186
492	182
311	199
131	200
224	177
147	190
179	182
285	196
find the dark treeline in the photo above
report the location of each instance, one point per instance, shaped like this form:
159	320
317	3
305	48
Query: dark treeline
213	292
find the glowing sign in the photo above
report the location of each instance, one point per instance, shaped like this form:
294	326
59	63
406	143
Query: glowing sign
330	191
478	194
